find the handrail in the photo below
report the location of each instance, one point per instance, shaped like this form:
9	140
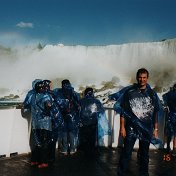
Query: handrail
16	132
7	104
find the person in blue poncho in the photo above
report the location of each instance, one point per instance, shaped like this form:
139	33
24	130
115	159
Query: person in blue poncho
138	119
91	108
68	100
26	112
57	120
169	99
41	104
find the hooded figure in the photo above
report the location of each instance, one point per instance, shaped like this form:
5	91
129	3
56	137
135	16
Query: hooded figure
41	105
57	120
169	99
91	126
26	111
68	101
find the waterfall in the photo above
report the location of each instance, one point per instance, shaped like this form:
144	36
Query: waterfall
85	65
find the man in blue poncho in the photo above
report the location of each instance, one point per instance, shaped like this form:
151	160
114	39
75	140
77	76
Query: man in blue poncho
68	100
91	110
138	120
170	122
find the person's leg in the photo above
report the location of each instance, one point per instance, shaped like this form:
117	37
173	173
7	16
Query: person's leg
138	154
125	155
168	130
174	146
82	138
52	146
35	154
92	139
168	143
144	157
45	149
52	149
73	138
64	145
173	124
59	139
88	139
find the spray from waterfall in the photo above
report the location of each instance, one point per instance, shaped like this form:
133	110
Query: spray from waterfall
85	65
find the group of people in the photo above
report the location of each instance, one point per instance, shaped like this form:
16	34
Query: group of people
60	115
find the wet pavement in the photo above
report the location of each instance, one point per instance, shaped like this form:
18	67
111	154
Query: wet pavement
105	164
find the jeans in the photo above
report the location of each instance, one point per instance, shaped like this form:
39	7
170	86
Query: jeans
126	155
69	141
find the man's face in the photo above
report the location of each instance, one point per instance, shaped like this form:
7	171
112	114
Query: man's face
142	79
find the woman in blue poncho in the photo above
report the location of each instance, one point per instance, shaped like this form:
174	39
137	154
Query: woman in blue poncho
91	111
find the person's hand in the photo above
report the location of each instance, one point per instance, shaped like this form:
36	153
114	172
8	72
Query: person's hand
155	133
122	132
19	106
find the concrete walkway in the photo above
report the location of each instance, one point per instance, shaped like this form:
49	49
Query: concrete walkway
77	165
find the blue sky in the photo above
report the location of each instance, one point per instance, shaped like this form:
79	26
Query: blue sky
86	22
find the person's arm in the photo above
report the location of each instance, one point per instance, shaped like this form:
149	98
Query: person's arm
122	131
165	102
155	132
123	102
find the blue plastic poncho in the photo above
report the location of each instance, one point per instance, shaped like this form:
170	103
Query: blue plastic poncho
68	101
140	131
103	126
142	125
170	101
40	107
26	109
92	112
118	97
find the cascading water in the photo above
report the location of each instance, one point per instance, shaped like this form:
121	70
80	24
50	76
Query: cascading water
85	65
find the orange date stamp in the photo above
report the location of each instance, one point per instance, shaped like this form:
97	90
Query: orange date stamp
166	157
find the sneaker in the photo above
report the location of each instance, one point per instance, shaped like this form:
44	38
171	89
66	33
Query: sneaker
43	165
34	163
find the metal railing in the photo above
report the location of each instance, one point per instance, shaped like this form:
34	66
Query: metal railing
14	130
